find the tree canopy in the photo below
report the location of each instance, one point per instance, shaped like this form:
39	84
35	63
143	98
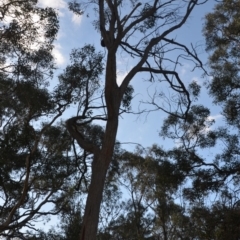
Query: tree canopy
69	164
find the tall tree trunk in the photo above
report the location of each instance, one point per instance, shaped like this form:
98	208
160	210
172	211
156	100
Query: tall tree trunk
91	215
101	162
99	170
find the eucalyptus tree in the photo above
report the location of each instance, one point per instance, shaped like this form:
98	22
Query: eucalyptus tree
151	179
25	62
218	220
218	172
36	173
144	31
222	42
37	169
222	35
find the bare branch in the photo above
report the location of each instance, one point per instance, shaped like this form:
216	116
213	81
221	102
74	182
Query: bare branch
153	42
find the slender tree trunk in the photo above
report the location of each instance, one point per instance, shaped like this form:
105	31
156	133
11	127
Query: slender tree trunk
91	215
99	170
103	159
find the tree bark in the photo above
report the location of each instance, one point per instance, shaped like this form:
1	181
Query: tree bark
113	94
103	158
99	170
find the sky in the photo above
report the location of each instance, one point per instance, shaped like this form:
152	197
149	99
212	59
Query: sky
77	31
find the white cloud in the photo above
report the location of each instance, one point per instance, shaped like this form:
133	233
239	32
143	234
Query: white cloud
184	69
76	19
7	19
215	117
211	118
120	77
123	68
60	60
56	4
53	3
35	45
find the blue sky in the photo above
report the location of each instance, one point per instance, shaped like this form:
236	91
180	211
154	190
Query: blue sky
77	31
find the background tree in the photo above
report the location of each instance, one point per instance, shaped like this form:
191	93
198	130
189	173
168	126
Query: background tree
218	177
148	209
86	162
224	87
36	170
25	63
196	134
